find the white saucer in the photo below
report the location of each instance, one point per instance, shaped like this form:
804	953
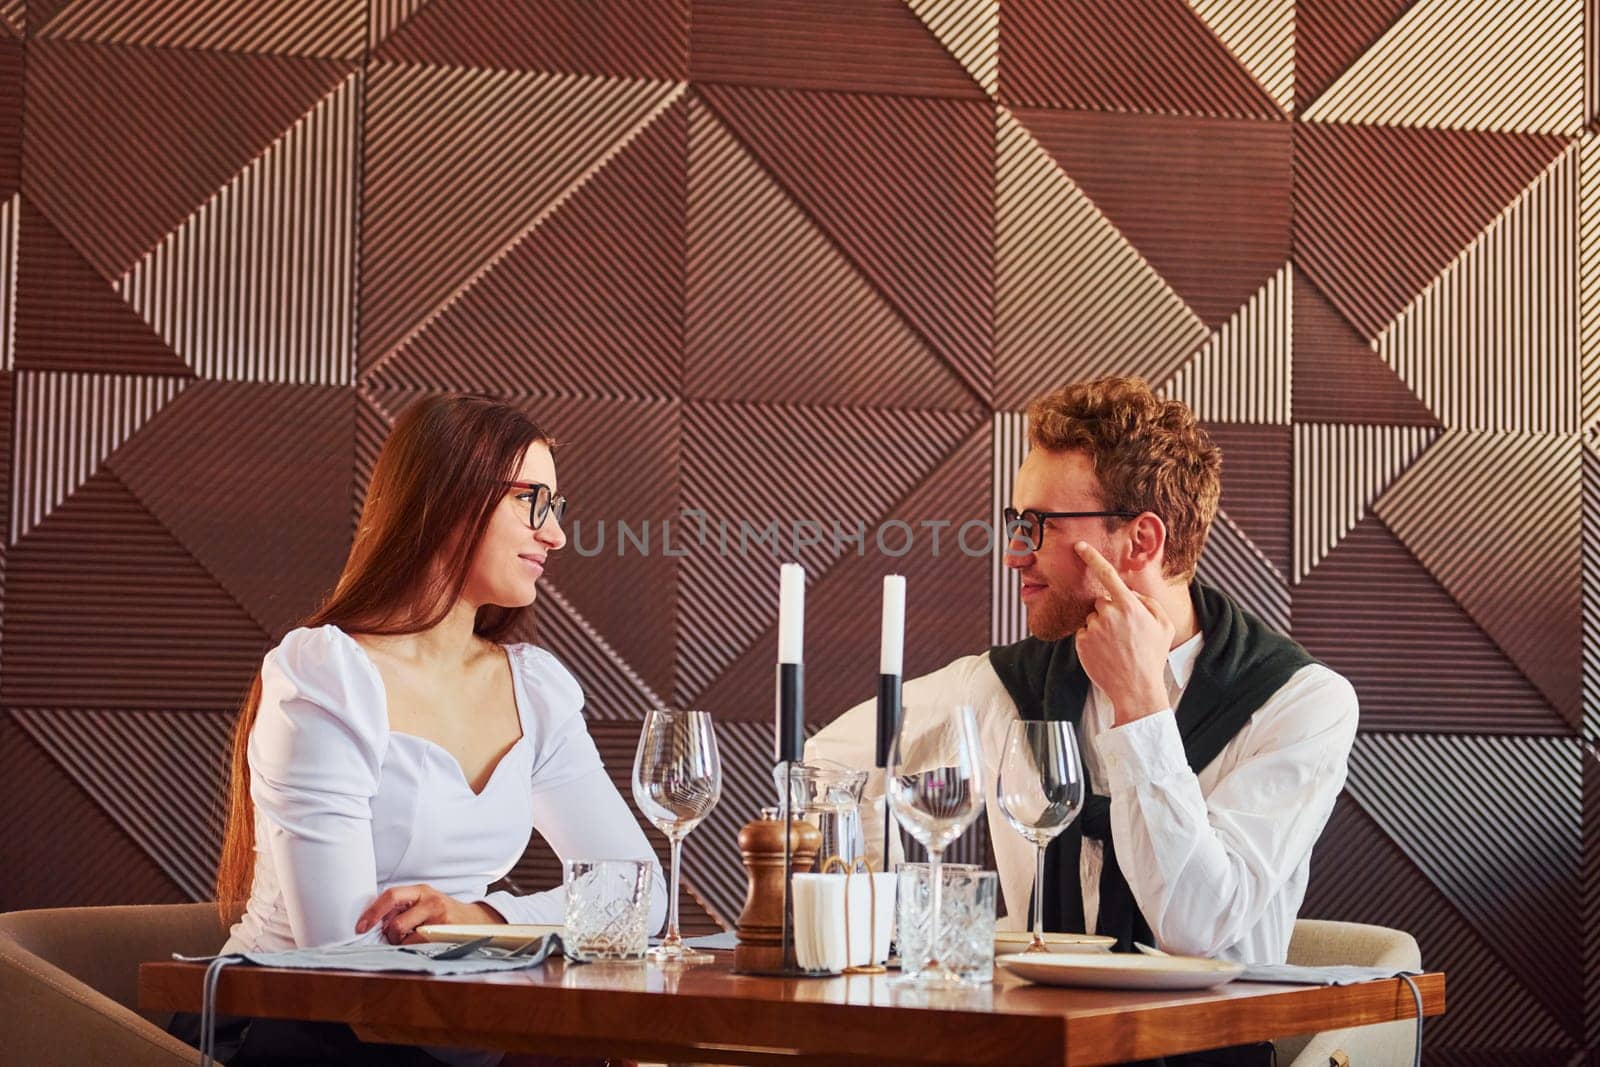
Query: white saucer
1120	971
1018	940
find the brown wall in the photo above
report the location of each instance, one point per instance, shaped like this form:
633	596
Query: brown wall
787	260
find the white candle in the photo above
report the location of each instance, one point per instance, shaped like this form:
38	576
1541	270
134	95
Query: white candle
791	611
891	652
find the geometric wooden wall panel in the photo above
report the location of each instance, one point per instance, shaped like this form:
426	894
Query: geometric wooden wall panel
464	163
1242	373
293	27
1591	894
1591	591
1381	211
233	289
67	425
1074	299
763	278
1206	201
1589	283
1260	34
1338	377
1100	60
1375	614
105	609
289	471
590	303
618	38
10	219
970	29
1489	1006
1524	494
947	596
1492	343
96	863
92	164
807	262
1469	64
1257	485
761	463
904	186
1497	831
1232	562
1339	471
607	484
70	318
126	762
1331	34
842	45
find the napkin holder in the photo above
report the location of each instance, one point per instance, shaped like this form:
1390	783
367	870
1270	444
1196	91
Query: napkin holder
763	926
821	916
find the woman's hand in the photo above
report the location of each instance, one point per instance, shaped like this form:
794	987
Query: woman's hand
402	909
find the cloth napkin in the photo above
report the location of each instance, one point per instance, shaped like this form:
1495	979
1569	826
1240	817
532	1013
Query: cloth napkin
1337	974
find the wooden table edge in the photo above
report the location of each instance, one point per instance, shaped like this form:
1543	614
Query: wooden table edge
568	1016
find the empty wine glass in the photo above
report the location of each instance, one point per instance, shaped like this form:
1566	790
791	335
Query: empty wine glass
936	804
1040	789
677	779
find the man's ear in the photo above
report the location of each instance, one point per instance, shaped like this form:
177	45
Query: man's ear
1147	542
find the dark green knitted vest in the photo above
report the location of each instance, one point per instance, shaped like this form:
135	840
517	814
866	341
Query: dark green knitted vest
1243	662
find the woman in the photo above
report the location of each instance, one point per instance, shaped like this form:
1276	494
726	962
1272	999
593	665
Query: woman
393	755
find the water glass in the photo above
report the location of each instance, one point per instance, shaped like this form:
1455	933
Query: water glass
608	909
965	949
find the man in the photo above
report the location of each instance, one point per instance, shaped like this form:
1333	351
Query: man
1214	747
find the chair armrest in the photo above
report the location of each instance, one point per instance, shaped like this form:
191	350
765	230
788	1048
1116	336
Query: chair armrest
51	1019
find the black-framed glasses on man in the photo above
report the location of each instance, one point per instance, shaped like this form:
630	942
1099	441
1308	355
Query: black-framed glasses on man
541	502
1027	525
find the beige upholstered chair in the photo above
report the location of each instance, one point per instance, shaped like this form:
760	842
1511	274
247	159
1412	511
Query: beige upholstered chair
69	980
1317	943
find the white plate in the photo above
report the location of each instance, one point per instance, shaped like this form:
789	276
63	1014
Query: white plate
1120	971
1017	940
506	935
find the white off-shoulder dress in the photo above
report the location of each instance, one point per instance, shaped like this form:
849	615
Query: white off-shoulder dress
346	807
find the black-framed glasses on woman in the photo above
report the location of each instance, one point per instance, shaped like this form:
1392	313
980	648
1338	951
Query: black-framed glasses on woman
541	502
1027	525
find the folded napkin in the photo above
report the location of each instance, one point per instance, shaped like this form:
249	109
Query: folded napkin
385	957
1337	974
363	955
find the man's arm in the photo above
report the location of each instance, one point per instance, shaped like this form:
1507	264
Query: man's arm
1203	868
851	739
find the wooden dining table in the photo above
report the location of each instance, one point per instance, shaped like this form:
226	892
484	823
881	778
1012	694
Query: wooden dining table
708	1014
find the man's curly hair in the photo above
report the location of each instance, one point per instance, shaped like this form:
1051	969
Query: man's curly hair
1149	455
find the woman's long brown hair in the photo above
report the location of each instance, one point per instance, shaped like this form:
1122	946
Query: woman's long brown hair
438	479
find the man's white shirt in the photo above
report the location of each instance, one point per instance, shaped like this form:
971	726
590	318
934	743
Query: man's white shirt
1217	862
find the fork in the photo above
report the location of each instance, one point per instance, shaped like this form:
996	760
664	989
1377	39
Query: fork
465	948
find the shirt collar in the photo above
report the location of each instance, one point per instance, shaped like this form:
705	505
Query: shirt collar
1181	660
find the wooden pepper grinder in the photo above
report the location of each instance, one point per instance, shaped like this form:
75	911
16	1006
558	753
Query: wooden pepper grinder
760	949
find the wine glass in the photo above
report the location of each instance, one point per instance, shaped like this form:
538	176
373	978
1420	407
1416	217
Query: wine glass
937	804
677	779
1040	789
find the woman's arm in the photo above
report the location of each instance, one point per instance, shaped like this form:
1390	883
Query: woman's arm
579	812
314	755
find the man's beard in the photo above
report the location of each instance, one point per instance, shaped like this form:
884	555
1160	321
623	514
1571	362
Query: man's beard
1056	615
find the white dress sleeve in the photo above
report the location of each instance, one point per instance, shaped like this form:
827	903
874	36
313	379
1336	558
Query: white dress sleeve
314	754
576	808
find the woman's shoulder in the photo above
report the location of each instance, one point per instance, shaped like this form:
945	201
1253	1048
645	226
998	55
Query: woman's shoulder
552	686
325	666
